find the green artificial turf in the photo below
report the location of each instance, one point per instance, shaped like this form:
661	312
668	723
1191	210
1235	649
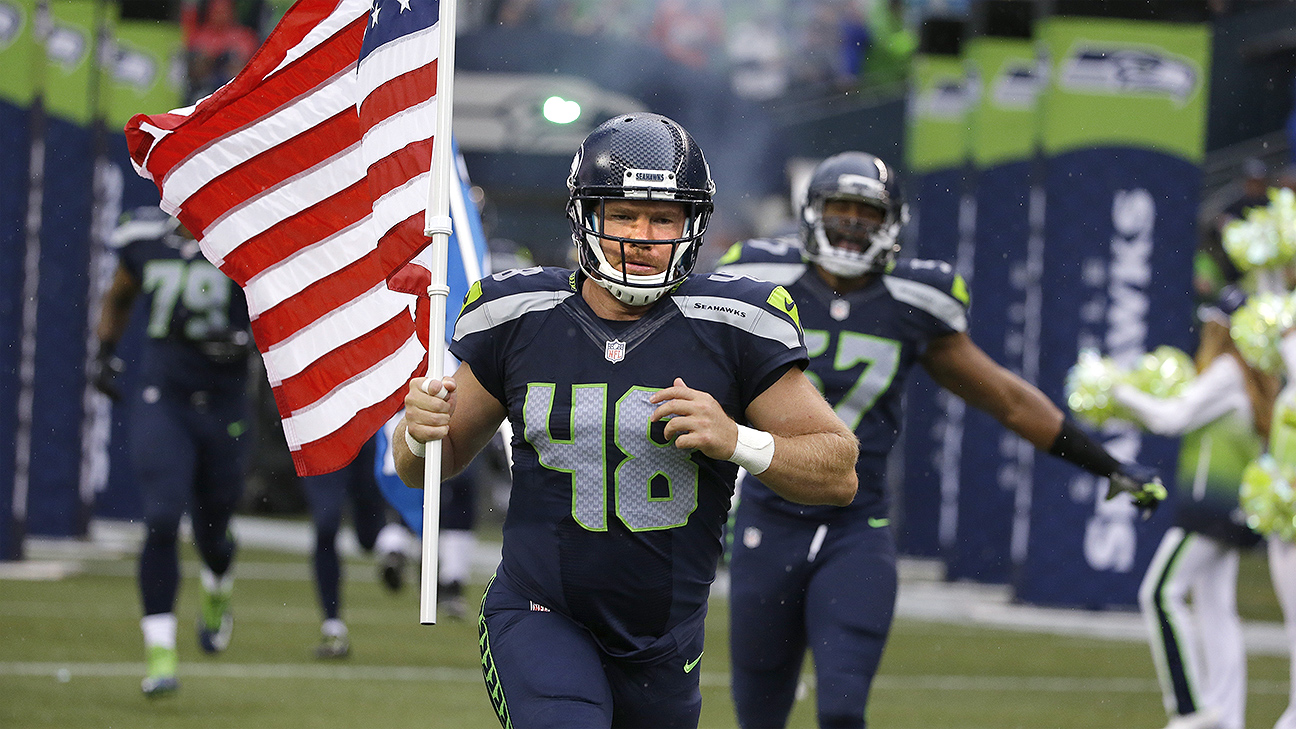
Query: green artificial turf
71	656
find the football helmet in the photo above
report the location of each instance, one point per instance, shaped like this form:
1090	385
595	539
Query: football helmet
849	246
638	157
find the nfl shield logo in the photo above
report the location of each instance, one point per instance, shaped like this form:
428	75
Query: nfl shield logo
615	351
839	309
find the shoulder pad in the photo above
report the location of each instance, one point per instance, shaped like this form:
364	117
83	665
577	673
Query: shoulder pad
937	274
508	295
931	286
772	259
751	304
145	223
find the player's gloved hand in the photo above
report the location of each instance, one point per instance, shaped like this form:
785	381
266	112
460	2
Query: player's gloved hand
1141	483
105	370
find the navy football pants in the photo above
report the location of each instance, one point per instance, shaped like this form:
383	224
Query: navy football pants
790	591
327	494
186	457
545	671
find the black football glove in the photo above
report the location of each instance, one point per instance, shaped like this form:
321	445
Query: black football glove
105	370
1141	483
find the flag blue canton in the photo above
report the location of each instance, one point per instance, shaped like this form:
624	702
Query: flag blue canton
393	19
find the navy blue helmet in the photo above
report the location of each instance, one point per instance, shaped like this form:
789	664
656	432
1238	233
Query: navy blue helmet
639	157
849	246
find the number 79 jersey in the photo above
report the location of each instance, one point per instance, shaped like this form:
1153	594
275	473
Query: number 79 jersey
188	305
862	345
608	522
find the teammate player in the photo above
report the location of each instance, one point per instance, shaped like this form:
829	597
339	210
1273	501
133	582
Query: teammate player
824	577
188	422
326	494
635	391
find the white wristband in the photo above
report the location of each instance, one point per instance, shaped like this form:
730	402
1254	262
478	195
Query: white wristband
754	450
416	447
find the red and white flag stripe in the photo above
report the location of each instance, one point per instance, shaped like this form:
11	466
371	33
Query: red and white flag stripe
309	213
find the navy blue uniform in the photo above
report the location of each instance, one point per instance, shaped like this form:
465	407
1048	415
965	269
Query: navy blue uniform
613	534
327	494
189	409
825	576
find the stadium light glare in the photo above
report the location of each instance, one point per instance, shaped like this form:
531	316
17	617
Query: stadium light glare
561	111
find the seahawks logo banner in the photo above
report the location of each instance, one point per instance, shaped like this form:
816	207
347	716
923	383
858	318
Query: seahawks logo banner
1005	78
143	69
18	56
936	156
58	503
1123	131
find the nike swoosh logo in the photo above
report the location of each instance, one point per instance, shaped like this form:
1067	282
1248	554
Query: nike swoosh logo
690	665
877	523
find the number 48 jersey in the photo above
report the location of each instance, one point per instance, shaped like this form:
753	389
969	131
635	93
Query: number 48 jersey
608	522
862	345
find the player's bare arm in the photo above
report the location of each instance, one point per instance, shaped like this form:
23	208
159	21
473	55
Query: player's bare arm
463	421
117	305
814	453
963	368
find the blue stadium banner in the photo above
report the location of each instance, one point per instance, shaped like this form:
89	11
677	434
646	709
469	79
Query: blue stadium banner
56	503
1123	132
18	90
936	158
1005	78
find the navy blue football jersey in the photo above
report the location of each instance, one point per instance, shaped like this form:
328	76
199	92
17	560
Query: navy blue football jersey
608	522
861	346
197	327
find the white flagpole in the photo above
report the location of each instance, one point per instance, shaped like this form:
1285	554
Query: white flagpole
438	226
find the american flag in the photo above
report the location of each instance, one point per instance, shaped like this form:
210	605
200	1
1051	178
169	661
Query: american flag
305	179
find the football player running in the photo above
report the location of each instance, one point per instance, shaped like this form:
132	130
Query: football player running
188	428
824	577
635	390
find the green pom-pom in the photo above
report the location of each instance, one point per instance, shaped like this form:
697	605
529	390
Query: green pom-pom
1163	372
1258	326
1267	237
1088	388
1267	498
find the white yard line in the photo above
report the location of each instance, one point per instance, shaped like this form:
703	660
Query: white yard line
416	674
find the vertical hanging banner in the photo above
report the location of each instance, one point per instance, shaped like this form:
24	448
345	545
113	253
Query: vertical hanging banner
55	506
1006	76
1123	131
18	92
144	69
936	156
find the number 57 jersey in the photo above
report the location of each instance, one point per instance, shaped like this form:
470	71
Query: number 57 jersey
862	345
608	522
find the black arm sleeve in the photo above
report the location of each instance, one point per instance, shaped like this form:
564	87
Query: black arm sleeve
1074	445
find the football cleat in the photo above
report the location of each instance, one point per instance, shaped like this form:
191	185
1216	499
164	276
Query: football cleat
391	570
333	646
160	679
215	620
451	600
1204	719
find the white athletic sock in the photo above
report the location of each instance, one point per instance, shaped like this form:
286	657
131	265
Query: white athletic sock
334	628
456	550
393	538
159	630
222	585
